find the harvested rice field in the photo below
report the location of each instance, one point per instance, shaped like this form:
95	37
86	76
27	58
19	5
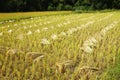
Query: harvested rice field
58	46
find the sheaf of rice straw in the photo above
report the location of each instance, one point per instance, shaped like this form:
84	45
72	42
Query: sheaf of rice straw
89	44
105	17
71	31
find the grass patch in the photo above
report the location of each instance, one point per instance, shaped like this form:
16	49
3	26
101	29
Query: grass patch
94	11
113	73
21	15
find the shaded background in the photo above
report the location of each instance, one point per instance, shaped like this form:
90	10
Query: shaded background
57	5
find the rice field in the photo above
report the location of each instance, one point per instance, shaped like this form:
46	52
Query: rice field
59	47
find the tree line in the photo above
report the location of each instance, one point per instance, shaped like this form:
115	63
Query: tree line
52	5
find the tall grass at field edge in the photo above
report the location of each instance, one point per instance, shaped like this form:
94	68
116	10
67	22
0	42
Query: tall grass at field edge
113	72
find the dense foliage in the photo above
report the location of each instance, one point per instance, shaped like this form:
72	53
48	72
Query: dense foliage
43	5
